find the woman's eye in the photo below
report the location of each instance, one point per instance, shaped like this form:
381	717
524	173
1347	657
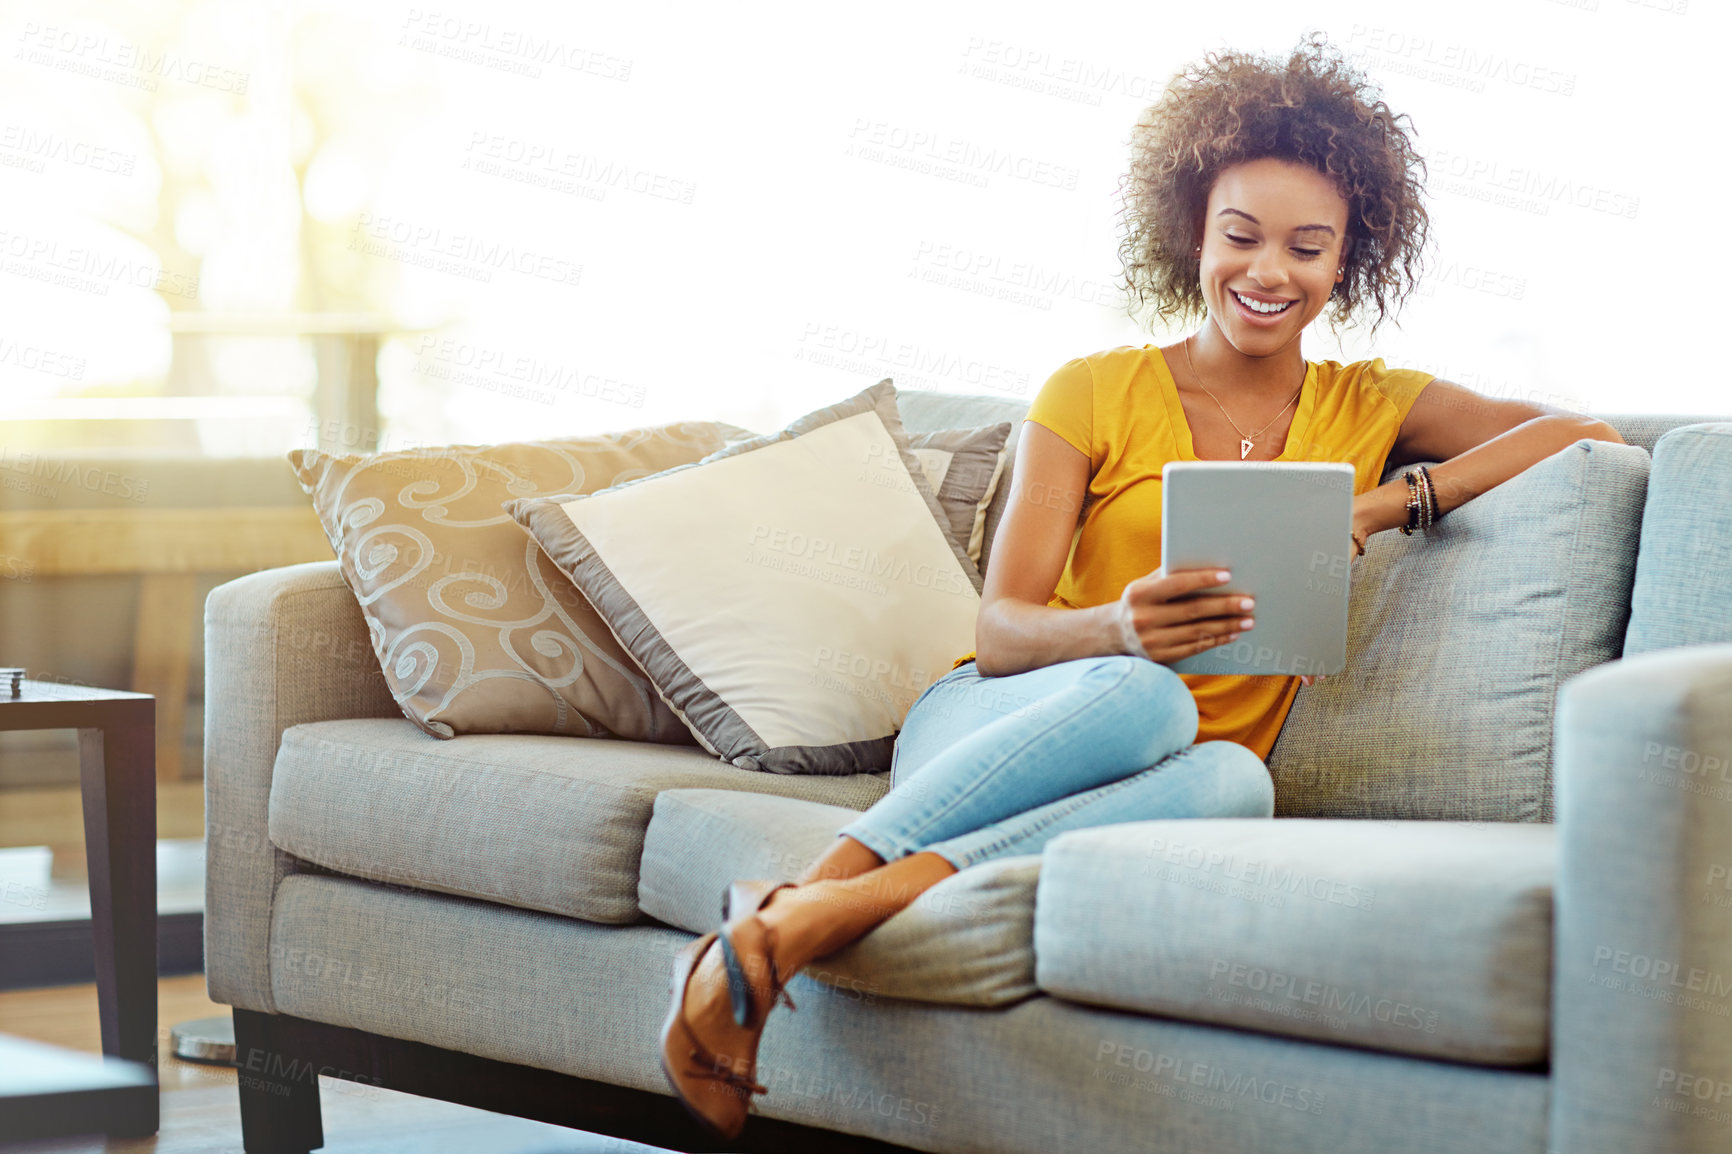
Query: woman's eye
1307	253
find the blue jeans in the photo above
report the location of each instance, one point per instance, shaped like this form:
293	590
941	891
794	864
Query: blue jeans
988	767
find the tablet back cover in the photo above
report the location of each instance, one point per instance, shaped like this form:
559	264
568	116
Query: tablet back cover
1284	529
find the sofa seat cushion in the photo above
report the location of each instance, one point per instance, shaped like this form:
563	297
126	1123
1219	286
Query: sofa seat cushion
1429	938
542	822
965	941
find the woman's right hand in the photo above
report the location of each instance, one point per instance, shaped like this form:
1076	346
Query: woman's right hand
1154	623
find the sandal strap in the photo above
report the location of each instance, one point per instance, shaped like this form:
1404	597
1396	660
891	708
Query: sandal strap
778	986
764	900
697	1069
740	988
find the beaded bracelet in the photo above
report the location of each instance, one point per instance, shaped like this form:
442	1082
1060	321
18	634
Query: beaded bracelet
1421	500
1413	503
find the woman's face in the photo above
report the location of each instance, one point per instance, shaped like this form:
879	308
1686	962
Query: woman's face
1272	233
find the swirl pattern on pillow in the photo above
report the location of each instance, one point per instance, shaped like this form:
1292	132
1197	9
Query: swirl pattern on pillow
475	629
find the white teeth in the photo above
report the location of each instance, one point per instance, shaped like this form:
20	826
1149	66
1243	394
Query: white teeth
1258	306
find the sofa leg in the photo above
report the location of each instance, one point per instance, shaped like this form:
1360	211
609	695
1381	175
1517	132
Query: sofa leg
279	1091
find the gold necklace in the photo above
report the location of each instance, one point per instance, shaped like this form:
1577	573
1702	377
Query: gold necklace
1245	439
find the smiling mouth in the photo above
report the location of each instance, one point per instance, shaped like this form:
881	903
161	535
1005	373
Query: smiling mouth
1259	308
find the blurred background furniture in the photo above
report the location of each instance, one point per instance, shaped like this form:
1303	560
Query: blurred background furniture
48	1092
116	746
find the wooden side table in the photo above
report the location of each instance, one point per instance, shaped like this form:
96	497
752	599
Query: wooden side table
117	771
48	1092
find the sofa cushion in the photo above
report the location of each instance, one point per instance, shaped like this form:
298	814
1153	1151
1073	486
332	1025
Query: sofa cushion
1045	1076
965	941
1683	591
1458	641
788	596
545	823
1428	938
475	629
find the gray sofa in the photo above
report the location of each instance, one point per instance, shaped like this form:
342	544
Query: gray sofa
1492	913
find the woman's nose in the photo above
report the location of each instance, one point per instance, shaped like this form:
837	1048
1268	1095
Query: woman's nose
1266	269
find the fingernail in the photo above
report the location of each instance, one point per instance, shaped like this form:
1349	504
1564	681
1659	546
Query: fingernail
1247	603
1246	623
1223	575
1232	637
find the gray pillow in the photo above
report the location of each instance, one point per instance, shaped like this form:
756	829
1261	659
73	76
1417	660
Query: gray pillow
922	410
1458	642
964	466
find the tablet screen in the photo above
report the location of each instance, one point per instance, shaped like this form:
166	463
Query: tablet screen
1284	530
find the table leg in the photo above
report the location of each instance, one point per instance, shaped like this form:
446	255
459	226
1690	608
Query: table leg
117	769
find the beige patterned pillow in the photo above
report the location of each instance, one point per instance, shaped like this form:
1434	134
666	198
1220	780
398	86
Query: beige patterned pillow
476	630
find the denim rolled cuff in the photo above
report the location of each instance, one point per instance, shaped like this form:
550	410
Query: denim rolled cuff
879	843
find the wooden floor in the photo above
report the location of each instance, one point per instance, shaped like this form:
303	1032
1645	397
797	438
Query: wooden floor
54	814
201	1113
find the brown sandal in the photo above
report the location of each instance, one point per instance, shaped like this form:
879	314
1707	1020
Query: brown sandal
687	1062
742	929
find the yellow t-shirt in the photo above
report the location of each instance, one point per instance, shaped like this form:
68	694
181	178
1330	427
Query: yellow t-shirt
1121	407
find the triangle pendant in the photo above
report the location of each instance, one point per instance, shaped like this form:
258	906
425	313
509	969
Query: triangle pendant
1244	447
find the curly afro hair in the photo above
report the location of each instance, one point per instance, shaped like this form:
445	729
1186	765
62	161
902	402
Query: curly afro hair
1315	110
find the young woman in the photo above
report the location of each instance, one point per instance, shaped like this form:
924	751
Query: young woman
1260	194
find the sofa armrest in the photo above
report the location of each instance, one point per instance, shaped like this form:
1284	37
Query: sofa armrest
282	647
1642	988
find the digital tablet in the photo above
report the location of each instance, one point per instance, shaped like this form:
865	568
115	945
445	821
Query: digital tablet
1285	532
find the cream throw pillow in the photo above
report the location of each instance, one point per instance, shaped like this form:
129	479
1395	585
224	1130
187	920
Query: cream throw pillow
477	632
789	596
